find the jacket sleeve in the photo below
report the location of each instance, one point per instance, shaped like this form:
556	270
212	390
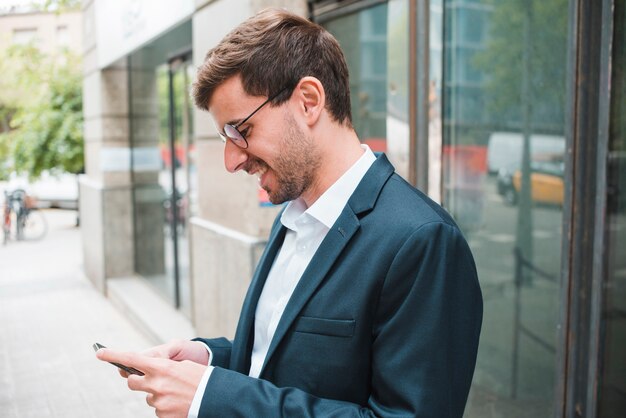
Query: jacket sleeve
424	343
220	348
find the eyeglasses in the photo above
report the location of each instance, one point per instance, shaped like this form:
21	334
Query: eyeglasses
232	131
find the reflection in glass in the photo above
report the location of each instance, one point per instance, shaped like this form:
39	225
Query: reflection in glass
397	118
503	153
163	172
375	42
613	362
363	39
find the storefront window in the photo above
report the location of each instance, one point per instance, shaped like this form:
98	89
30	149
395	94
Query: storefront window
163	169
613	365
362	37
375	43
503	160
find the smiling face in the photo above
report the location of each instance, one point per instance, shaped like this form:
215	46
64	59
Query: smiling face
279	151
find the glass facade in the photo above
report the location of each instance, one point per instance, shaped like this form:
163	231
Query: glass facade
375	41
163	167
502	100
497	72
503	159
612	402
368	31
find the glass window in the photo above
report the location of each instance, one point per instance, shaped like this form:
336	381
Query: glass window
503	153
613	362
164	178
362	37
375	43
24	36
63	36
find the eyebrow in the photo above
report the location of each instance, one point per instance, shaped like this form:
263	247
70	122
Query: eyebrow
234	121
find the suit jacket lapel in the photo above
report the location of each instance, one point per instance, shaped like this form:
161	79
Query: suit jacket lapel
244	337
328	252
362	200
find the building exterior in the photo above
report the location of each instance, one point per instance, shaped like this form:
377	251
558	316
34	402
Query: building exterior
511	114
48	31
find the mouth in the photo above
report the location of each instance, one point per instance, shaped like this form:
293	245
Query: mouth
260	171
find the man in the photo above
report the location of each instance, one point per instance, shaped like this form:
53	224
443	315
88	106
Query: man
366	300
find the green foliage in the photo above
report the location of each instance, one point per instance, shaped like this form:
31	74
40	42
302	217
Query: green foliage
41	98
57	6
19	84
503	61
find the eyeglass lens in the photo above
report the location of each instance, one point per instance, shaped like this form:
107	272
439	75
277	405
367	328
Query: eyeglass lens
233	133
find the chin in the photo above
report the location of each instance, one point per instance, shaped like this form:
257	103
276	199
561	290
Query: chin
276	200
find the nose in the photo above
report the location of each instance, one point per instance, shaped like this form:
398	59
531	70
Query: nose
234	157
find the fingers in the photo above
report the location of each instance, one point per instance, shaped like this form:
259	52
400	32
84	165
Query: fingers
180	350
134	360
170	350
138	383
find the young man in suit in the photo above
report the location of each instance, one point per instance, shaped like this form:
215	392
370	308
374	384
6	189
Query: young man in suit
366	300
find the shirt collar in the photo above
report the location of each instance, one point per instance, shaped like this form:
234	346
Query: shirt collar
329	205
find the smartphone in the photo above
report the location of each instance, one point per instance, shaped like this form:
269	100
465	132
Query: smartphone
130	370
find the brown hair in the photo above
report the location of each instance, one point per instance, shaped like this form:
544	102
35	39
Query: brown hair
272	51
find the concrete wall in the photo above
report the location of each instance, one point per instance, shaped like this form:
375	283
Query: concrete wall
105	188
224	261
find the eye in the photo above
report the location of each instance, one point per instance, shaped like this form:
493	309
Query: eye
244	132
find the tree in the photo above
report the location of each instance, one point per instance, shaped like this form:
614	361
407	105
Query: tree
41	98
525	67
503	63
58	5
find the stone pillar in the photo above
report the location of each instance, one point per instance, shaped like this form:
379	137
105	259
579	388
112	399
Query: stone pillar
105	188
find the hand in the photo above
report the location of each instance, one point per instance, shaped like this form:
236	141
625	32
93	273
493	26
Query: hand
170	385
180	350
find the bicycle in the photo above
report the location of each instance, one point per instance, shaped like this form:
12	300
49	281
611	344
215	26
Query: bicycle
22	219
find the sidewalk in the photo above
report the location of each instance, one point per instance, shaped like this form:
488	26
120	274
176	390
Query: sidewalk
50	315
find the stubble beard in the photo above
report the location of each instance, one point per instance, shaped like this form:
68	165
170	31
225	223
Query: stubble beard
296	166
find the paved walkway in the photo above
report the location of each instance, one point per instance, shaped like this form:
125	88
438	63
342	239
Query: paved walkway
50	315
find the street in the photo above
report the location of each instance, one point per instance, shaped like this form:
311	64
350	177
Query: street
51	315
510	370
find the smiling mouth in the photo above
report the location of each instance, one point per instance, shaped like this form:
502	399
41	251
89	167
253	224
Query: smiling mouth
262	170
258	170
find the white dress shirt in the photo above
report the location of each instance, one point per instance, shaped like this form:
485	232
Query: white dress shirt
306	229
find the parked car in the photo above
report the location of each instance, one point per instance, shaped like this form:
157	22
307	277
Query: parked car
51	191
546	179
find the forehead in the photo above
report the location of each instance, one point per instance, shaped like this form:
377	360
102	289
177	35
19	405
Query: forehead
229	101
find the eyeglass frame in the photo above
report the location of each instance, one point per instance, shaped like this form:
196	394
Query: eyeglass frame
236	126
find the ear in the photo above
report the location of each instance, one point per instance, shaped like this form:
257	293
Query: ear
311	99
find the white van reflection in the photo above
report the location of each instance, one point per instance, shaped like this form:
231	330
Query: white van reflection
504	150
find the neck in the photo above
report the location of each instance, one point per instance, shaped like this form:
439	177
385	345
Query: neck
340	148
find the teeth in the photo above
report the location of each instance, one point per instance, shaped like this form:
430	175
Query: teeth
261	171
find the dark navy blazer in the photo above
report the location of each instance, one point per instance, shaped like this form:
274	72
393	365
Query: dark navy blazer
384	322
